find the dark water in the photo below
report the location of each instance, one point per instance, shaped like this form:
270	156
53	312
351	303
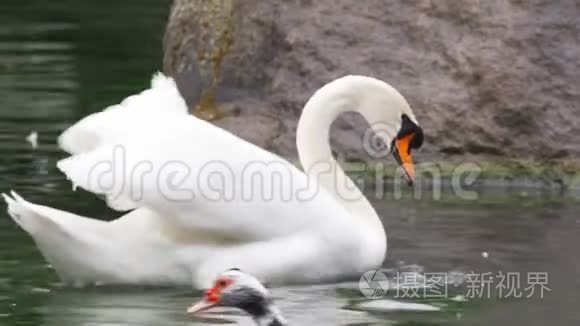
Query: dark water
61	60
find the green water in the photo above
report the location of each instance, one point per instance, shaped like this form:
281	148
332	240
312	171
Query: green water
61	60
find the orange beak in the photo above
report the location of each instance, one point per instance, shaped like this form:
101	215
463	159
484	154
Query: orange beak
402	153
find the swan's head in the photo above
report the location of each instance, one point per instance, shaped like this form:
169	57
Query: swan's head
383	107
391	119
409	137
235	289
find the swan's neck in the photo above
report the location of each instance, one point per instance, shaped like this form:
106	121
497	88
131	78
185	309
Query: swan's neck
349	94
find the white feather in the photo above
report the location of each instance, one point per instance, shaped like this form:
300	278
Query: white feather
117	121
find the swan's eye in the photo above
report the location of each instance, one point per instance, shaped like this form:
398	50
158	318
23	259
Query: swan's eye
408	127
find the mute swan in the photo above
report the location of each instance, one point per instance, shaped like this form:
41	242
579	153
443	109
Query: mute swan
196	209
236	289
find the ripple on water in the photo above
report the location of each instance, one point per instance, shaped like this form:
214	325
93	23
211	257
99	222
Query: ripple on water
388	305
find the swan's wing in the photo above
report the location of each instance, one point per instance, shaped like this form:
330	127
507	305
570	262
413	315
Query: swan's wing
147	152
135	113
204	178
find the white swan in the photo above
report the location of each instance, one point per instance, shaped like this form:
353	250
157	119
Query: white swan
197	208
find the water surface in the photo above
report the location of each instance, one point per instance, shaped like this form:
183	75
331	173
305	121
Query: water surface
61	60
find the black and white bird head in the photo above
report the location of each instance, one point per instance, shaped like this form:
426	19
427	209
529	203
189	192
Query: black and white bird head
235	289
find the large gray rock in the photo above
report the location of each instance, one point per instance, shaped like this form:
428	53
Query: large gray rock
494	78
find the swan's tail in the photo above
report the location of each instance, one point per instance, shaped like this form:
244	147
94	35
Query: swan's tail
41	221
27	216
117	121
69	242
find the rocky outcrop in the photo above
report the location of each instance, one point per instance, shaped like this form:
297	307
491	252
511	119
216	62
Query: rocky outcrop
497	79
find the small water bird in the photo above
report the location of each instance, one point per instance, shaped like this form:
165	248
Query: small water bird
235	289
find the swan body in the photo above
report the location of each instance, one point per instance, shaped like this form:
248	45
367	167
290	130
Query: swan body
195	207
